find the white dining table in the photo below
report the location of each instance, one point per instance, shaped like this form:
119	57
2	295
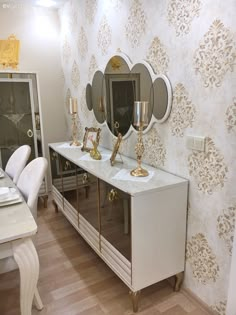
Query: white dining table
17	226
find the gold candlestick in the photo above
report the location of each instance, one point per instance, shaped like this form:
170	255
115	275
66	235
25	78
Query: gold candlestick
140	120
73	108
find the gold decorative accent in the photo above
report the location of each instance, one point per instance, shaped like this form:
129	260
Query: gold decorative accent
90	134
136	27
85	178
226	226
140	120
73	109
54	156
202	259
157	56
230	119
183	111
115	63
113	195
82	43
208	168
182	13
94	153
220	307
75	75
139	150
116	149
155	153
216	55
178	281
135	299
67	165
104	36
9	52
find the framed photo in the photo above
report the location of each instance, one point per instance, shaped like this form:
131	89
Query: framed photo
91	134
116	149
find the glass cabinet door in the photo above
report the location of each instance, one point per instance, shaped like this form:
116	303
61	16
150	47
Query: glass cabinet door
115	218
88	200
56	170
69	181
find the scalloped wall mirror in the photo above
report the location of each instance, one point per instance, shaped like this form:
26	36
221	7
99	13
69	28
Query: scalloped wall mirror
113	93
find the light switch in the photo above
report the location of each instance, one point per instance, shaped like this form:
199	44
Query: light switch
195	143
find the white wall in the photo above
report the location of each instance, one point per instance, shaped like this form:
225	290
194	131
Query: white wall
38	31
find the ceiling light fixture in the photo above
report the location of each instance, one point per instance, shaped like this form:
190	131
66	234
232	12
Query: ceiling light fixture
46	3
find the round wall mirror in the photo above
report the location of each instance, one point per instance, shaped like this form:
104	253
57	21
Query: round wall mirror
118	95
89	96
162	98
97	98
112	94
143	88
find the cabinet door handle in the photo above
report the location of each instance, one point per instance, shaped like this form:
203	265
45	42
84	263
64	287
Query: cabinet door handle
54	156
85	178
30	133
113	195
67	165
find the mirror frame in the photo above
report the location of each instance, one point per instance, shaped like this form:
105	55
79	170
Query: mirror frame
169	96
153	78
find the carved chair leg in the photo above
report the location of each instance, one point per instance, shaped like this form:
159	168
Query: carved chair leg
55	206
135	299
178	281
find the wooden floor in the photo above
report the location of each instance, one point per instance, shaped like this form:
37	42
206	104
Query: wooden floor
75	281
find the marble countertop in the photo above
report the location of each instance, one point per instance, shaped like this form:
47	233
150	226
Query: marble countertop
102	169
16	220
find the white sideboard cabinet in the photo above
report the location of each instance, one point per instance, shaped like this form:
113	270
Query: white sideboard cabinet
138	228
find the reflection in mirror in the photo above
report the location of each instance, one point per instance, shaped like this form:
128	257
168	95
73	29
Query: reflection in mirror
162	98
89	96
143	88
119	95
97	99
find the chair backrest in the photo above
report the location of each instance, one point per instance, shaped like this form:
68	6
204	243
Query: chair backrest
30	181
17	162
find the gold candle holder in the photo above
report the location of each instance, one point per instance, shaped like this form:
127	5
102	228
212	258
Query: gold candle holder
140	121
73	109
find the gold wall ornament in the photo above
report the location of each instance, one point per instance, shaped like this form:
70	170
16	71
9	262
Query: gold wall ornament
9	52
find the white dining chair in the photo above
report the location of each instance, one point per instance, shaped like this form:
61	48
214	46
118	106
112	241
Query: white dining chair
30	180
17	162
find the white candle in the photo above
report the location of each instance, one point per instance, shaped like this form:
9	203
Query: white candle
73	107
140	114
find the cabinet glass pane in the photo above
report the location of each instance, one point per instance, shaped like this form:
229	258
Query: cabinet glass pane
88	201
115	218
56	170
69	181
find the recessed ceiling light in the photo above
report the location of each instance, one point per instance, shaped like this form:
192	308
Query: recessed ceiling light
46	3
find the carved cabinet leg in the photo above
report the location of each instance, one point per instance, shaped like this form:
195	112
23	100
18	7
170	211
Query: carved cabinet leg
26	257
135	299
178	281
45	201
55	206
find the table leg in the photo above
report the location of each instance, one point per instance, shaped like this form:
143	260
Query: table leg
26	257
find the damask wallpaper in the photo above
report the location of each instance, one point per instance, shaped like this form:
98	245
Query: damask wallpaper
192	42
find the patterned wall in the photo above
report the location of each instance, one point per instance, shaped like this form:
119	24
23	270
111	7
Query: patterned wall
192	42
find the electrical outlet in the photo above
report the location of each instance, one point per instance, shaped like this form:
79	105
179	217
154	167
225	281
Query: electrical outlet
195	143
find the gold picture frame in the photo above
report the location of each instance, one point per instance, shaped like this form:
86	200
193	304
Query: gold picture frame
116	149
91	134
